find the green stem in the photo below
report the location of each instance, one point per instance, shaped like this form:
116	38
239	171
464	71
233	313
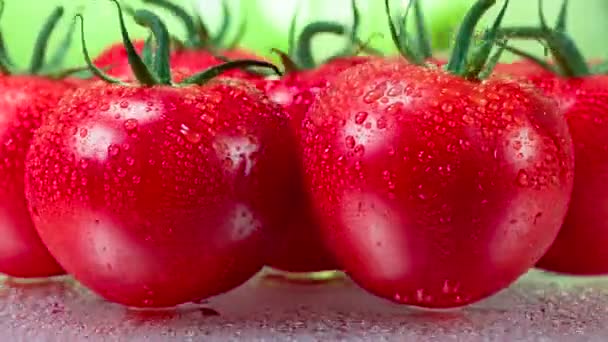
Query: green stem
424	42
6	66
534	59
64	47
42	41
180	13
400	36
303	55
220	37
291	35
87	57
458	59
207	75
161	67
288	64
562	18
140	69
147	53
480	58
491	64
565	52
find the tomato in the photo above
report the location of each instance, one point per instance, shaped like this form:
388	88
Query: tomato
27	98
25	103
298	248
582	94
433	188
165	194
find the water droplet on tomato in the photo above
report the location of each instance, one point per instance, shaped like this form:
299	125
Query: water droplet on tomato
360	117
350	141
113	150
190	135
523	178
359	150
130	124
381	123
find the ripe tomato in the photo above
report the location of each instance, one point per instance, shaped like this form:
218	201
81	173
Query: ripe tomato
27	98
158	196
298	247
25	102
161	192
581	89
433	191
433	188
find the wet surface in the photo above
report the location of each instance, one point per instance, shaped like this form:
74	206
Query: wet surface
537	308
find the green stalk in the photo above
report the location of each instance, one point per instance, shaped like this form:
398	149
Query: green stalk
565	52
42	41
303	55
141	71
205	76
161	66
458	60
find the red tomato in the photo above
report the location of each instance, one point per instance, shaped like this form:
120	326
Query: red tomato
27	98
432	190
165	190
298	248
163	195
580	245
25	102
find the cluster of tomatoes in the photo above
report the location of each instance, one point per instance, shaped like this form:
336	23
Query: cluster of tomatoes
431	183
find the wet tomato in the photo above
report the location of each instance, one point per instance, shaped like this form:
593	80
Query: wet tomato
159	196
298	247
25	102
433	190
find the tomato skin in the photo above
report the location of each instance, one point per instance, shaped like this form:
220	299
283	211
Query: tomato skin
580	247
163	195
25	101
434	191
299	248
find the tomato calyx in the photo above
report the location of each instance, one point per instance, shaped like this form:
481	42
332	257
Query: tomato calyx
39	64
299	56
417	50
471	57
153	66
198	35
569	60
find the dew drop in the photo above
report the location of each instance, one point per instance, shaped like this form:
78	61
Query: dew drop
360	117
447	108
350	141
131	124
113	150
359	150
523	178
381	123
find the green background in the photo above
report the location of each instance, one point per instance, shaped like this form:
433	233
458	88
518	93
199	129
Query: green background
268	21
